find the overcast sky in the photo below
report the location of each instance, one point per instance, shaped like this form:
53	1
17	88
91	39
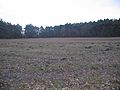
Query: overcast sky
55	12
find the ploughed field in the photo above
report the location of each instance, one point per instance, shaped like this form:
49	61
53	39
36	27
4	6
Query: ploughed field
60	64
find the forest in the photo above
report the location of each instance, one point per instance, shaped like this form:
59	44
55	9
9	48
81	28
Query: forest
100	28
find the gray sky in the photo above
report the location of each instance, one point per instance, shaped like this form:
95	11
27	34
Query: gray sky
56	12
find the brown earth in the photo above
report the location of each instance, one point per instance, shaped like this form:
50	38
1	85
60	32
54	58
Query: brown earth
60	64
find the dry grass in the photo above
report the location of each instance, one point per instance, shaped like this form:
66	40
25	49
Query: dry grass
60	64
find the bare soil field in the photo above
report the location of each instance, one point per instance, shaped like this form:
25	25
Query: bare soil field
60	64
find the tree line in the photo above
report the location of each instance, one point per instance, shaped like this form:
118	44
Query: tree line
100	28
7	30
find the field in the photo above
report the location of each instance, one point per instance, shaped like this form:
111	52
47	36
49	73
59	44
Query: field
60	64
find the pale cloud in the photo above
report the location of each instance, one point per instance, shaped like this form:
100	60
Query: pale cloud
55	12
